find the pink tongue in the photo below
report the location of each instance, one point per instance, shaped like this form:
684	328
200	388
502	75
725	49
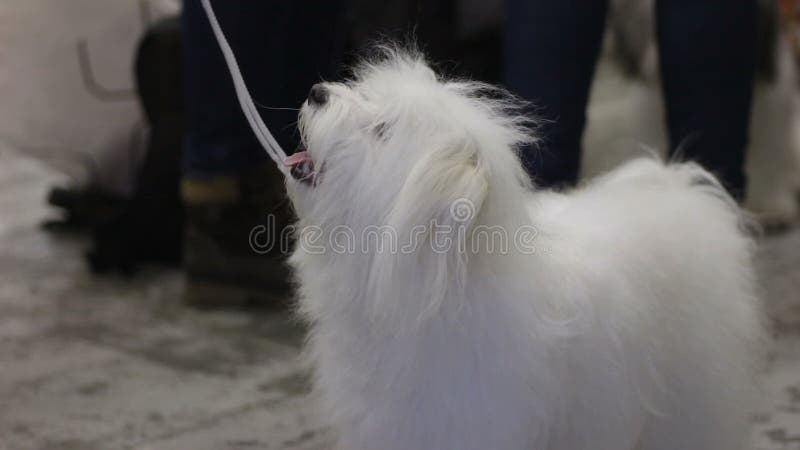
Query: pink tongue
302	166
297	159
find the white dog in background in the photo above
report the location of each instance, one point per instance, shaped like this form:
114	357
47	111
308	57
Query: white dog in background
624	318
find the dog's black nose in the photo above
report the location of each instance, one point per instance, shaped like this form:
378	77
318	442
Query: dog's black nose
318	95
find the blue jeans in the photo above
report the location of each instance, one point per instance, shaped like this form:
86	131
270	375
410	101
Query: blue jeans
707	53
283	47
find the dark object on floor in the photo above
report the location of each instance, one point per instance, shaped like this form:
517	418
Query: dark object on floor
237	238
149	227
83	209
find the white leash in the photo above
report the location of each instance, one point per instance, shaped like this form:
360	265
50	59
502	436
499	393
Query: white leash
245	99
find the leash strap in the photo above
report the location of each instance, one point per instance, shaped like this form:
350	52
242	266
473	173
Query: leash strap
245	99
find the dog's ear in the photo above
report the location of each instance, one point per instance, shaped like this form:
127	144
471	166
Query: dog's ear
433	218
447	187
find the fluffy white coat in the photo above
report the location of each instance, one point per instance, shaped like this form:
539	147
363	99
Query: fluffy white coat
630	322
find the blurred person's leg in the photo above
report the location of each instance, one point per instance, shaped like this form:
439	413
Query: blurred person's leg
551	50
230	185
430	24
707	53
282	47
462	38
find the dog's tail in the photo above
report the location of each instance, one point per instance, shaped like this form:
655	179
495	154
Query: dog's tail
704	181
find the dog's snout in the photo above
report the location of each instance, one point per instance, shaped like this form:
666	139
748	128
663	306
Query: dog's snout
318	94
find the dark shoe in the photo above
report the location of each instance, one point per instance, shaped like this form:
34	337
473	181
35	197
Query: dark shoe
83	209
230	221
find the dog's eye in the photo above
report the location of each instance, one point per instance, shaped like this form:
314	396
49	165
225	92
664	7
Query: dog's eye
380	130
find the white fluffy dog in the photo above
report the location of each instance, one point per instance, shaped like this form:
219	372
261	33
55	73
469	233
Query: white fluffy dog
621	316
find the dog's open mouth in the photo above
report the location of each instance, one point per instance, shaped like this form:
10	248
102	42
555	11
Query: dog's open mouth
301	167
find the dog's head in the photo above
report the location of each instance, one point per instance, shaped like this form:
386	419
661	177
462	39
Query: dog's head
400	148
399	143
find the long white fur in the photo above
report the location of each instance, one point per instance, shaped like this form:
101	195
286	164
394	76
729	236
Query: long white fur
633	325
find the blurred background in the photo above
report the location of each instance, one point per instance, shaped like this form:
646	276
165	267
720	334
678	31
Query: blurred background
143	303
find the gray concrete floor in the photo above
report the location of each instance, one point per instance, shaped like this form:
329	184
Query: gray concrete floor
111	363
